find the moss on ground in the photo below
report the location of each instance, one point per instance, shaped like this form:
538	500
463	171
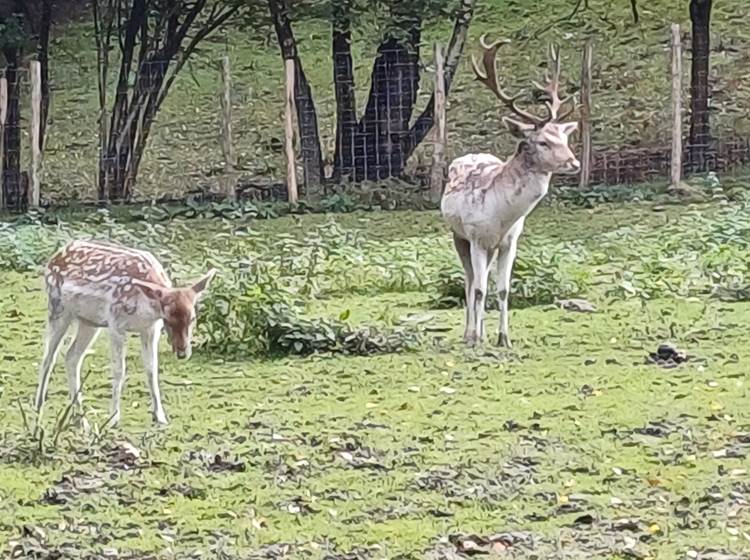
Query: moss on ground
571	440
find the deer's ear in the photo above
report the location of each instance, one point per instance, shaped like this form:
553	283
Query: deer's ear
203	283
149	289
517	128
569	128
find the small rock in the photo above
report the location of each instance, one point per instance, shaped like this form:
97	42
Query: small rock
577	305
667	356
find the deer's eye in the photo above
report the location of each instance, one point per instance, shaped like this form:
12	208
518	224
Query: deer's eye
544	144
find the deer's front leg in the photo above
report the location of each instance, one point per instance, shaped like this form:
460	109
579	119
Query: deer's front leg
118	341
505	258
74	360
150	353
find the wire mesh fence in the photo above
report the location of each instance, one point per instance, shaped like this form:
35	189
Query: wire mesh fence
368	123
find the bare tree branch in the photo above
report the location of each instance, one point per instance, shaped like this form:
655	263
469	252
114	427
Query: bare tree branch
151	35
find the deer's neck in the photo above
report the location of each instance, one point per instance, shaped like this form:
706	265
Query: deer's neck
528	182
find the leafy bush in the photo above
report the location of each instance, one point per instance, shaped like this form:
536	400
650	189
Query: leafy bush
257	304
244	210
249	312
23	248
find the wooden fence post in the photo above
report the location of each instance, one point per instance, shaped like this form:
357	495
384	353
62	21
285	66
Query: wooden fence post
35	177
227	146
676	172
437	173
289	109
585	124
3	118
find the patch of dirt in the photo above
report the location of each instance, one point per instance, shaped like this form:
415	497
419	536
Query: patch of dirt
490	484
216	462
588	540
70	486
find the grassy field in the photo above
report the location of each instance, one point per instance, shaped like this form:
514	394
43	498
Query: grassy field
631	89
571	445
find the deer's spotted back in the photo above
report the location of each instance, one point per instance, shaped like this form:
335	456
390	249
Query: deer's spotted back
95	274
473	172
97	262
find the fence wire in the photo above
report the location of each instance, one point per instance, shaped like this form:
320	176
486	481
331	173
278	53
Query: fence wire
366	121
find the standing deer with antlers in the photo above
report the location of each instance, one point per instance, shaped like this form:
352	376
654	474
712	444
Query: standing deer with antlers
486	200
101	285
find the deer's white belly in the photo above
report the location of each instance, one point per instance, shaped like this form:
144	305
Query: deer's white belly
95	304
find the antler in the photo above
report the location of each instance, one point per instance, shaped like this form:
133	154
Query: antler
552	89
489	79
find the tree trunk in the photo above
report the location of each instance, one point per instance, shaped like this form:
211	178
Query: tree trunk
394	84
699	144
425	121
13	183
153	49
384	140
343	79
126	144
45	23
307	118
113	163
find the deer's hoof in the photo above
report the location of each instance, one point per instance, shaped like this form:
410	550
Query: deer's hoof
504	341
160	419
473	340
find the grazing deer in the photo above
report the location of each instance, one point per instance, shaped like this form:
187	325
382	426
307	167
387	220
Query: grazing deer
100	285
487	200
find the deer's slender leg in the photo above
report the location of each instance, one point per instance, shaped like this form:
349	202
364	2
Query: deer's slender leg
118	352
463	248
57	326
479	263
488	270
505	258
150	354
85	336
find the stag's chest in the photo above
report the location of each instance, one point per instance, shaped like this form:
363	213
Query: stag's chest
487	216
509	204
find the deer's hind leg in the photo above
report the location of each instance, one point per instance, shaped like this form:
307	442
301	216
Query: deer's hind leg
480	262
463	248
57	325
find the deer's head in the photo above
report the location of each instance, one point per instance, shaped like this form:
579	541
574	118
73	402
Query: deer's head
543	140
177	308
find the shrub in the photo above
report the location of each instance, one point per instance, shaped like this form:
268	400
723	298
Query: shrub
249	312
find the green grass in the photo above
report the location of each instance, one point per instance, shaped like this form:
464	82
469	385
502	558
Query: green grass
631	90
386	456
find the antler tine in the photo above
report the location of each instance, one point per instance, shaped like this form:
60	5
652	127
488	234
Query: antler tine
489	78
570	111
552	89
